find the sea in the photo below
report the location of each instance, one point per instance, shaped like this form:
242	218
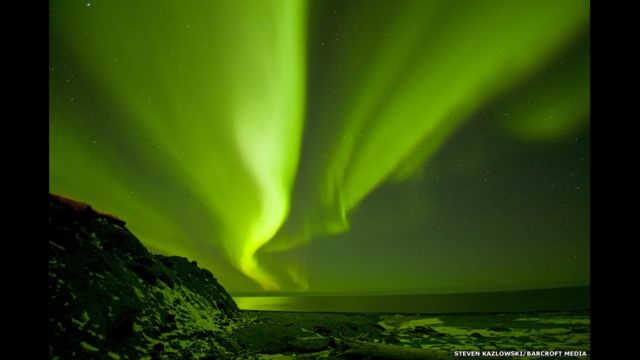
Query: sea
556	299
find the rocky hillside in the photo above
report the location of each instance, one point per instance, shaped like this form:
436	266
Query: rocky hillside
109	298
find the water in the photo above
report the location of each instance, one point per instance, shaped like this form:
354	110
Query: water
561	299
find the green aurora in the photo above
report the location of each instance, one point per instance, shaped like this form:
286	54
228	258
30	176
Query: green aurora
332	146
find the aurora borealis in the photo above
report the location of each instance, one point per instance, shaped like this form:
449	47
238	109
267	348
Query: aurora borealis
332	145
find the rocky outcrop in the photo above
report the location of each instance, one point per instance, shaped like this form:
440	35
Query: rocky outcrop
109	298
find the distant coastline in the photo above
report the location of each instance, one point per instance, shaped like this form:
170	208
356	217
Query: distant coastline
550	299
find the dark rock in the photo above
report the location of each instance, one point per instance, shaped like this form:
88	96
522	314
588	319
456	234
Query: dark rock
158	347
123	327
499	329
145	272
107	291
309	344
352	326
169	324
476	335
348	329
390	339
424	330
322	330
165	278
278	344
153	331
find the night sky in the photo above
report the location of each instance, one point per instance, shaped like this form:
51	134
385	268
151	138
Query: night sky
333	146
